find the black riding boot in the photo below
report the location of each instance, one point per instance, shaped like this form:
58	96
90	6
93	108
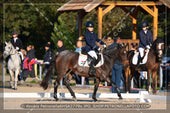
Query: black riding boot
138	64
92	69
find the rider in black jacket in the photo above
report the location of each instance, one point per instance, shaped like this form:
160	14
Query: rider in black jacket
17	43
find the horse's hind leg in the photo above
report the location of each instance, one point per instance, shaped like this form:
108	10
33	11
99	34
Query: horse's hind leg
115	86
95	89
11	78
154	84
67	83
56	84
148	81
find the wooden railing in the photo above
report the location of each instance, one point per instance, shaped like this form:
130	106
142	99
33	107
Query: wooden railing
127	42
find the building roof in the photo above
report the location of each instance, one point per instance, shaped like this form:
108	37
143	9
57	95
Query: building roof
86	5
166	2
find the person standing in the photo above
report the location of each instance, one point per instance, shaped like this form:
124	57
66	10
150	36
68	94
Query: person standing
91	47
117	67
29	61
61	47
47	59
78	50
145	40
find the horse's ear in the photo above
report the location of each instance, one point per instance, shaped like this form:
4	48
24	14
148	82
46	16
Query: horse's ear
6	43
119	46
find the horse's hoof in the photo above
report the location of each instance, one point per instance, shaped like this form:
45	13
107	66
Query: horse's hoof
15	88
75	99
120	98
55	97
94	99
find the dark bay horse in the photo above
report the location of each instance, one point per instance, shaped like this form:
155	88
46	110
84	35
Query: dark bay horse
151	66
68	60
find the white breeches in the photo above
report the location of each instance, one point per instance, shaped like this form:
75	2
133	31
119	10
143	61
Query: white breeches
141	51
22	57
93	54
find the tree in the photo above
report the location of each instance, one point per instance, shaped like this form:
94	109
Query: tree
65	30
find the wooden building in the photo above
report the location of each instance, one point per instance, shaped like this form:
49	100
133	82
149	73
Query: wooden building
82	7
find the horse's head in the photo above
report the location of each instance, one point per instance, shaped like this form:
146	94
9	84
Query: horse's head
122	55
9	49
118	52
159	47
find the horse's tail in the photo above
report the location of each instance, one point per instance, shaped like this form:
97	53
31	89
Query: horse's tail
50	72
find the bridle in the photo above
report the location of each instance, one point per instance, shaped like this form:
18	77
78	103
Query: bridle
160	51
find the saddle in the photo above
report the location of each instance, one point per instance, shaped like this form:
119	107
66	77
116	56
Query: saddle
84	59
136	57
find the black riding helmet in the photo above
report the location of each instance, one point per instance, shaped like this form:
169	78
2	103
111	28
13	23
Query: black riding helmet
144	24
89	24
14	32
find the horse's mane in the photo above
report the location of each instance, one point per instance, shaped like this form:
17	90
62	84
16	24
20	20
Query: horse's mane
110	52
158	40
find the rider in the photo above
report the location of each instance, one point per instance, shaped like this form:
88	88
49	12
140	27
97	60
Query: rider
145	40
17	43
91	47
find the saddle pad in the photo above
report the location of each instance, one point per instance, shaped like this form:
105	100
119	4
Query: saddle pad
82	61
135	58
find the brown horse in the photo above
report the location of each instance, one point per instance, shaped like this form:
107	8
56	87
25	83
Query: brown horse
67	61
151	66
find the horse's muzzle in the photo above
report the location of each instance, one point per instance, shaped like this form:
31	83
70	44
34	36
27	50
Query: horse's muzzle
5	55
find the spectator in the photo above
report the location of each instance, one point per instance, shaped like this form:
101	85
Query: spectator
166	69
117	67
47	58
61	47
29	62
79	49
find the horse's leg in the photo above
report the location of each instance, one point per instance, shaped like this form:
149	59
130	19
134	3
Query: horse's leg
154	79
95	89
127	80
130	78
114	85
56	84
148	80
11	78
67	84
16	78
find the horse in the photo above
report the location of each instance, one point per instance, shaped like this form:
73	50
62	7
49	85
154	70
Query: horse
67	61
151	66
14	64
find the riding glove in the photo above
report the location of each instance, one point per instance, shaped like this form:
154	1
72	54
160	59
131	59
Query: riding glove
148	47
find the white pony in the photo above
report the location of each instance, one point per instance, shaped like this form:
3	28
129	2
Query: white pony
14	64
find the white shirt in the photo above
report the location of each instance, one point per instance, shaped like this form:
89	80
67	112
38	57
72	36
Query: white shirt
145	31
15	39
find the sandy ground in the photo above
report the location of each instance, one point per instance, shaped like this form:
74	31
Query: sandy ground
17	103
81	103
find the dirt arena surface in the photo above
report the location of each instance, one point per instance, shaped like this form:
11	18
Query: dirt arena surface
29	105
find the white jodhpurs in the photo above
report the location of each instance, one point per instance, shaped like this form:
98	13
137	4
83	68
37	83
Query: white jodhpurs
141	51
93	54
22	57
